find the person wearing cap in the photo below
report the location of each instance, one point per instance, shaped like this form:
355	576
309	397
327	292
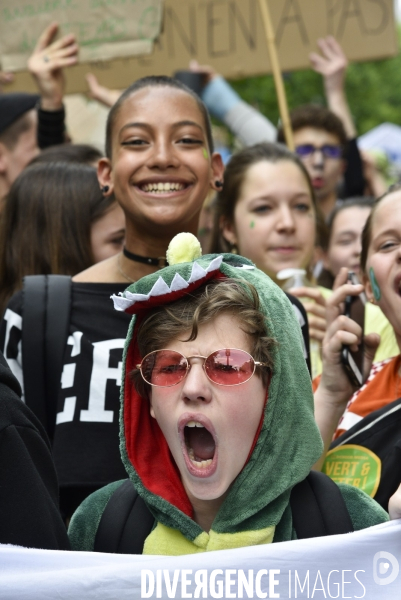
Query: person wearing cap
29	122
18	136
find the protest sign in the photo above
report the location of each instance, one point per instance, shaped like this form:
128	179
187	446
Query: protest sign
363	564
229	35
105	29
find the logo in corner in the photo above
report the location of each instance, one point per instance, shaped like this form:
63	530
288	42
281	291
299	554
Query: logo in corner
382	561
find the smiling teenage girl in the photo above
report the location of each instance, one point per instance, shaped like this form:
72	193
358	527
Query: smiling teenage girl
159	166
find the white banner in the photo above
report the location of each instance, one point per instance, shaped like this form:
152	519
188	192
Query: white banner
364	564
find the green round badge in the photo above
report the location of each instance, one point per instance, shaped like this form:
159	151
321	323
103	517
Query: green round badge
354	465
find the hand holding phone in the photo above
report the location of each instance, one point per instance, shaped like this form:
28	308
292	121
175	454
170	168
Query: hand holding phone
353	360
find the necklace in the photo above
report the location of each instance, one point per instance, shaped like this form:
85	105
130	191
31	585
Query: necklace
147	260
122	272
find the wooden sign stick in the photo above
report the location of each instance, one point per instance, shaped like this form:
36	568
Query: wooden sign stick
278	79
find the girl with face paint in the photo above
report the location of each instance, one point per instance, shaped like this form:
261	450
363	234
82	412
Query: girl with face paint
381	275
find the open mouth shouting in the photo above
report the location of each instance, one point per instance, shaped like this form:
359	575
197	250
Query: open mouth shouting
199	446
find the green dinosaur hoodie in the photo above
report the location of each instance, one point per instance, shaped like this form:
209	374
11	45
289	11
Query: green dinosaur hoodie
256	509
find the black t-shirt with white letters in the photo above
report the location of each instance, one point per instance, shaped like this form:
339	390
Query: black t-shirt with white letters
86	439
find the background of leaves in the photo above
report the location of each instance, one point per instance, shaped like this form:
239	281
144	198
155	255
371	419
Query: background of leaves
373	91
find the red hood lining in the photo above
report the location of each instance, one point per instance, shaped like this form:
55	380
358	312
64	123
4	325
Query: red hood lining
146	446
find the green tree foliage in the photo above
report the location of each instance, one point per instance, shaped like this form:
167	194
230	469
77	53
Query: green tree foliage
373	91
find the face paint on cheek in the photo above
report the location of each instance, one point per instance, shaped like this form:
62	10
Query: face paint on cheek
375	286
205	153
252	224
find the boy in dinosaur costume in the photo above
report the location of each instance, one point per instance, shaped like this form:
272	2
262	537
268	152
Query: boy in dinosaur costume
214	457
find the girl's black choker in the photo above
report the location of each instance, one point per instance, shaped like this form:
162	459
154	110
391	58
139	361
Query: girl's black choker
147	260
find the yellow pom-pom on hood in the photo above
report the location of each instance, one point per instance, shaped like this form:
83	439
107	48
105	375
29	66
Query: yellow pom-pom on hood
184	247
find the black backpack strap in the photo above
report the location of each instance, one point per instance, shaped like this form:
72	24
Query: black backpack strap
125	524
56	335
45	320
318	507
32	346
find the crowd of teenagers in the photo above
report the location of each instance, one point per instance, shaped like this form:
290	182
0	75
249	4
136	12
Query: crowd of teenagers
194	413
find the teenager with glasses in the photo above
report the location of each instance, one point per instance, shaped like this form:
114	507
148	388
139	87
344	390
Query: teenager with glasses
217	421
325	138
320	143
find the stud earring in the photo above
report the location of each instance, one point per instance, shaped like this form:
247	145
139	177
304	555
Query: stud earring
218	184
104	189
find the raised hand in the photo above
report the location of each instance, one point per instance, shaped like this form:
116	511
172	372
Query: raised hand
331	63
343	330
101	93
335	389
47	63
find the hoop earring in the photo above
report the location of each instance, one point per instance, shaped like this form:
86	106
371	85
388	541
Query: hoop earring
234	249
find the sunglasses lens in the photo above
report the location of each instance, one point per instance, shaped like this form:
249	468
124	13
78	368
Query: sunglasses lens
331	151
304	149
229	366
328	150
164	368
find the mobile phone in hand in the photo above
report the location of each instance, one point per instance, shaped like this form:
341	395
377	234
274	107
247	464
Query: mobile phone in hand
355	310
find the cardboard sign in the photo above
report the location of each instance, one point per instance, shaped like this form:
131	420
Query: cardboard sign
105	29
229	35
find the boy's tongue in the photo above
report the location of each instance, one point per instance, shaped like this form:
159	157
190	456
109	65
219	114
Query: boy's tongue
201	441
